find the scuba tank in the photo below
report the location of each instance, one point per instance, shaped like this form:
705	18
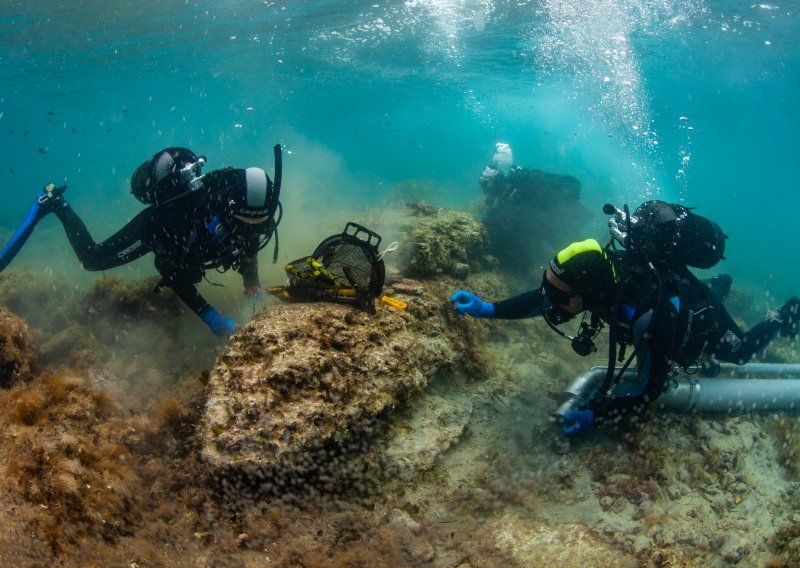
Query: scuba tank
669	233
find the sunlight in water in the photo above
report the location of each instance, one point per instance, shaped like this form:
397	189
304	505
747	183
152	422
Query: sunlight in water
592	42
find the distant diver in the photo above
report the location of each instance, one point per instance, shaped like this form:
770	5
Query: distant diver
193	223
524	208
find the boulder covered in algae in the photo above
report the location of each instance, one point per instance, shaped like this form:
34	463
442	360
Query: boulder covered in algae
16	349
441	241
301	378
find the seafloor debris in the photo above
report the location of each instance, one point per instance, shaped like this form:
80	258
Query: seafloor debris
421	208
404	286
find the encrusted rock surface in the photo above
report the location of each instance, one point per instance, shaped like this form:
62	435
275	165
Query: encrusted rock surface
443	242
567	544
300	376
425	430
16	349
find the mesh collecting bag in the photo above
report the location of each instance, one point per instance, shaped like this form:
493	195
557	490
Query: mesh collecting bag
346	267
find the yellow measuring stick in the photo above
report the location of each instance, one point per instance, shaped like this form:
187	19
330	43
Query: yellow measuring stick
394	302
286	292
345	293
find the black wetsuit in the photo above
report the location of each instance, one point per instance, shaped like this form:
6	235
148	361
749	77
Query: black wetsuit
182	234
683	322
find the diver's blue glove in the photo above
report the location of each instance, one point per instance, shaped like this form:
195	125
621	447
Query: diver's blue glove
577	422
468	303
219	324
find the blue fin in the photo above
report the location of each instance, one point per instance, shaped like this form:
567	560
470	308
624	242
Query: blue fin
35	214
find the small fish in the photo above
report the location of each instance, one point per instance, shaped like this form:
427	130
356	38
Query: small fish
42	150
11	171
124	109
26	132
50	112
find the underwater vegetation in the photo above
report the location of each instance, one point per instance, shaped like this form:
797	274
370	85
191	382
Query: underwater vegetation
102	458
96	474
786	434
76	454
442	241
786	544
16	350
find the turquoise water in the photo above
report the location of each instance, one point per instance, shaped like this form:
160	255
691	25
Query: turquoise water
686	100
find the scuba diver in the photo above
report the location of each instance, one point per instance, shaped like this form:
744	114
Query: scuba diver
193	223
523	208
649	299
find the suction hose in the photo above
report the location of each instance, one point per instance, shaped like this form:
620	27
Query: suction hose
738	392
754	386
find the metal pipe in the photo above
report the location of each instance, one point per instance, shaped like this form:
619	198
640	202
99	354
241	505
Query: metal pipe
775	369
704	394
577	394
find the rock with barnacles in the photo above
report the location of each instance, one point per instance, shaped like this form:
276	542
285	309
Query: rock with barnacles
295	384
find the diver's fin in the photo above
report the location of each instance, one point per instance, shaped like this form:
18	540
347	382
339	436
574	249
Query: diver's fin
41	207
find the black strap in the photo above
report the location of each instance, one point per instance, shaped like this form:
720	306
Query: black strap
275	252
611	379
276	184
276	195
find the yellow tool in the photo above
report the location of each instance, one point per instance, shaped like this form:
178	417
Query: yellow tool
394	302
285	292
347	294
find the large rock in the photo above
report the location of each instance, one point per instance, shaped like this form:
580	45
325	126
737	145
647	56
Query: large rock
425	430
16	349
555	544
300	378
441	241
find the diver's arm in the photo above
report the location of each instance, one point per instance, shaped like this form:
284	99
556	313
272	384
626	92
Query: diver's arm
188	293
526	305
184	284
248	268
634	399
220	325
